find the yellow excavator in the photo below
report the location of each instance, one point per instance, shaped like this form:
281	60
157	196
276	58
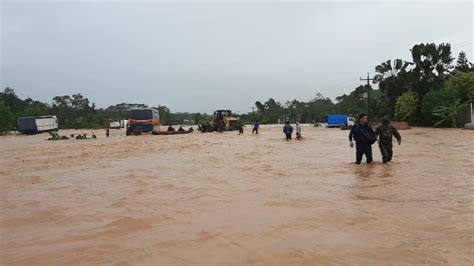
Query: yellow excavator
221	120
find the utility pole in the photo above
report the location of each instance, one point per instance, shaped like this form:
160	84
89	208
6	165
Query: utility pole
368	94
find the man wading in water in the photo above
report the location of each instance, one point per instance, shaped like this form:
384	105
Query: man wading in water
288	130
298	131
386	132
364	137
256	127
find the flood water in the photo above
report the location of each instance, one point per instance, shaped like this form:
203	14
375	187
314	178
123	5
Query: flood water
208	199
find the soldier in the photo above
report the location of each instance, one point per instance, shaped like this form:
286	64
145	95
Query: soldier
385	133
241	126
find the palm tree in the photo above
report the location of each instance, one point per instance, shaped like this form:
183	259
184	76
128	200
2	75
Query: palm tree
387	70
449	114
393	79
431	57
432	63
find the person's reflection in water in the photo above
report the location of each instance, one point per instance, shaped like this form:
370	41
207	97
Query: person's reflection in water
365	172
386	172
372	179
374	171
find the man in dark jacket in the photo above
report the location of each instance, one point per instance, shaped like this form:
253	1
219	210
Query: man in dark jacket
386	132
364	135
288	130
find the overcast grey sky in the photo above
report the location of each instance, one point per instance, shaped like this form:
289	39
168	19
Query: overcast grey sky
201	56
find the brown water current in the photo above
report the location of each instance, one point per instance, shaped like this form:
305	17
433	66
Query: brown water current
209	199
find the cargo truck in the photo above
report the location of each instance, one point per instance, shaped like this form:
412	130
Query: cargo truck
37	124
339	121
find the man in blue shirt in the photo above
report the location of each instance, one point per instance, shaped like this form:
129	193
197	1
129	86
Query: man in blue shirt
256	127
363	134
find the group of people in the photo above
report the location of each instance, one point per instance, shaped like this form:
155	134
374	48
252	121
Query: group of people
365	136
288	130
180	129
362	134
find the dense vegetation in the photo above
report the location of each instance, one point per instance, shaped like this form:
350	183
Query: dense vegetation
76	111
428	90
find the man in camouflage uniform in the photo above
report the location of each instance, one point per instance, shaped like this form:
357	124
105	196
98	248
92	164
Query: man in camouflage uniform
385	134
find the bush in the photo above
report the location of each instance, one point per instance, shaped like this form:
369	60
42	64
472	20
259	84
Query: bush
406	106
431	100
461	85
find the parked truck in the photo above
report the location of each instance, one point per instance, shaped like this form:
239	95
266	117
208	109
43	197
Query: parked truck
37	124
339	121
118	124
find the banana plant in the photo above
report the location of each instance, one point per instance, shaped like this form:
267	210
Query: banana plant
449	114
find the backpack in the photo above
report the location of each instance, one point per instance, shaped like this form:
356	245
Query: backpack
386	135
370	138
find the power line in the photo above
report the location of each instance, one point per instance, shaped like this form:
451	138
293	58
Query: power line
368	93
462	43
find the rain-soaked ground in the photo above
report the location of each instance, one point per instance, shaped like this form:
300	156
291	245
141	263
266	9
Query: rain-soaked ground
207	199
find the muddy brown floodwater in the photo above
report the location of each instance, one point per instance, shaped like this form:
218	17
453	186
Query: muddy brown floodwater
207	199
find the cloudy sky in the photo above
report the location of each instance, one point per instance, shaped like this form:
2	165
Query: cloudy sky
201	56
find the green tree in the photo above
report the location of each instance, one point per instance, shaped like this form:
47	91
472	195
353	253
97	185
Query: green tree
406	106
272	111
379	107
462	64
462	85
434	98
35	108
319	107
7	119
432	64
260	107
76	111
354	103
165	115
9	97
198	118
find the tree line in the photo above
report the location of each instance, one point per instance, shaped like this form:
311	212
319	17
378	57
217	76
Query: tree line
76	111
428	89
